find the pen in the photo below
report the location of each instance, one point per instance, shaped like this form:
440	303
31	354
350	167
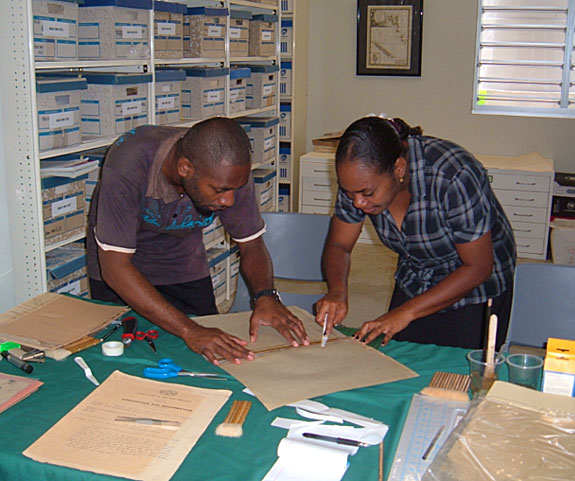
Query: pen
324	332
432	443
27	368
149	421
333	439
110	332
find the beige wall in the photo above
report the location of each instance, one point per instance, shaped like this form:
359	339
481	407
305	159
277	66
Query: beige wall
439	100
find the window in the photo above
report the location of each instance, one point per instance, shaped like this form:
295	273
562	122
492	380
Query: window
525	58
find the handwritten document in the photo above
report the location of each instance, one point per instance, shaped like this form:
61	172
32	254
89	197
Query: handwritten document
131	427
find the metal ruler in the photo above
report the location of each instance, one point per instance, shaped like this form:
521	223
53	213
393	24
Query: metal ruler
427	417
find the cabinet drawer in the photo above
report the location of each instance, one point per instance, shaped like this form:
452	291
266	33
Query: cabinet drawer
318	169
534	231
529	245
319	184
319	198
519	181
535	215
316	209
522	198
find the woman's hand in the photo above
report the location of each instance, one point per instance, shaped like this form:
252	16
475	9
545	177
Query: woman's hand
389	325
334	305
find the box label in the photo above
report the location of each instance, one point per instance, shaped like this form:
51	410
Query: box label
166	103
214	31
64	206
235	32
132	31
59	120
167	88
131	108
214	96
55	29
166	28
267	36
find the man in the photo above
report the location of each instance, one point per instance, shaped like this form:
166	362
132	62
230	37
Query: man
160	186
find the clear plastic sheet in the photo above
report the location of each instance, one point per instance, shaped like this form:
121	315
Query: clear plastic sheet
501	440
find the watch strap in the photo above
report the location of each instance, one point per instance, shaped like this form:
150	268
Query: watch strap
264	293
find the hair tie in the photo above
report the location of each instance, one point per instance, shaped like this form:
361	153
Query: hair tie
389	120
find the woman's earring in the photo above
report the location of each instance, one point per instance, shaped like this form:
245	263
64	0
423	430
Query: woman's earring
401	180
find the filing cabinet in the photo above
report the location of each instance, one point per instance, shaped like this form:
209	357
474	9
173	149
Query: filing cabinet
524	187
318	189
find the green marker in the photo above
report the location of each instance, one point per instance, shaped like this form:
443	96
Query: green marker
6	346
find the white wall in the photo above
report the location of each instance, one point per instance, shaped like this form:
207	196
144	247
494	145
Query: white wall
439	101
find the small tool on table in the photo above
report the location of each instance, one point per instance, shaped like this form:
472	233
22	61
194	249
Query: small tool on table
130	325
232	425
87	371
324	336
168	368
147	336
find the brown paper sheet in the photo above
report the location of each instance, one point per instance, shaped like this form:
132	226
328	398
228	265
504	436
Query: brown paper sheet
289	374
51	321
92	438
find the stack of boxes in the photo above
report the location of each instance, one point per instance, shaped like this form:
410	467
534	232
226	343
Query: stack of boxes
114	29
168	29
265	183
205	32
55	30
168	92
217	260
203	92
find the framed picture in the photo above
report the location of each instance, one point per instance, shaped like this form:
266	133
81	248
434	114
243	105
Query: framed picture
389	37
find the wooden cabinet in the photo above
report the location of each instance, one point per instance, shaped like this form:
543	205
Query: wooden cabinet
524	187
318	189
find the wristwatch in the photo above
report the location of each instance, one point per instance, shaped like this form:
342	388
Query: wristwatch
266	292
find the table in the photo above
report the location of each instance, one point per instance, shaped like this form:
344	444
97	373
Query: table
213	458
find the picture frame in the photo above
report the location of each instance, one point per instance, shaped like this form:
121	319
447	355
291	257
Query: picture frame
389	37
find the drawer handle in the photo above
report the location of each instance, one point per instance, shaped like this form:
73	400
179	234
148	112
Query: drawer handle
525	183
522	215
321	171
524	245
527	231
524	200
321	198
322	185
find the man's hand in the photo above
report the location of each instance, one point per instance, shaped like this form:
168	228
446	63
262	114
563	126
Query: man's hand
269	311
215	344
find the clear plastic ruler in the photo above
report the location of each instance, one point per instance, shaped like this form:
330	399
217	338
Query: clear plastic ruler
427	417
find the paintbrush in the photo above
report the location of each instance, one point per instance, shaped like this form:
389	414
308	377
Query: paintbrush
232	425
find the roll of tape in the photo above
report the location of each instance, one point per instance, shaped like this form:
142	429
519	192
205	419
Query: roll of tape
113	348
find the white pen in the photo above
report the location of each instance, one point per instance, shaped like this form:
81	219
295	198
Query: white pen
324	335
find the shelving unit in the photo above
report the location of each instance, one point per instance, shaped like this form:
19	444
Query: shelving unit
19	116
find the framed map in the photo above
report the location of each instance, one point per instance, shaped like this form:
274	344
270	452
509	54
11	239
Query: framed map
389	37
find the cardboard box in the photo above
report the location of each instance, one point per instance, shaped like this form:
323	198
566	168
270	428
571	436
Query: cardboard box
205	32
66	270
203	92
58	104
285	161
239	33
265	183
169	29
214	234
286	38
262	86
114	29
263	29
239	78
562	241
55	30
285	122
114	103
559	367
263	138
283	198
217	260
63	208
286	79
168	101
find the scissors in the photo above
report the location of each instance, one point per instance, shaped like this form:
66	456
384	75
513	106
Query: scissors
168	368
147	336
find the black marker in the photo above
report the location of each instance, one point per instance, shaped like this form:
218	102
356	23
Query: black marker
27	368
332	439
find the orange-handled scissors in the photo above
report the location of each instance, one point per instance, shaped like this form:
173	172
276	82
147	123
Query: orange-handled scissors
148	336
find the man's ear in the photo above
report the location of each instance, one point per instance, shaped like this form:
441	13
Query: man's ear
185	167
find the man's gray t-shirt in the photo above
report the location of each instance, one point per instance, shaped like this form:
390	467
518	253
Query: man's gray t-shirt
137	211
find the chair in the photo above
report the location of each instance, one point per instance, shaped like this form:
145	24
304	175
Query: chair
295	242
543	304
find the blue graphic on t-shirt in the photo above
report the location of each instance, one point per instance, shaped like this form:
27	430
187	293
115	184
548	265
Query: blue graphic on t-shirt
166	217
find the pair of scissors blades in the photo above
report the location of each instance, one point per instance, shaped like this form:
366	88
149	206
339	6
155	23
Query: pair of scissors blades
148	336
168	368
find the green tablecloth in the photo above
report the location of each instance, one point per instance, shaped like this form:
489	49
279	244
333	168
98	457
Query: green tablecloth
213	458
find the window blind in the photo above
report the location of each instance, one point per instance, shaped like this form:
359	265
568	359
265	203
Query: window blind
525	58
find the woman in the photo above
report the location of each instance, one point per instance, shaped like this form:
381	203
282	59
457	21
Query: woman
430	202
